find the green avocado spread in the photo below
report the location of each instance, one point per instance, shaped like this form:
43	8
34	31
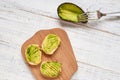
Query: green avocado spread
50	43
71	12
51	69
33	54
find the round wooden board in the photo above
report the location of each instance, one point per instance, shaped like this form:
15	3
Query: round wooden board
64	54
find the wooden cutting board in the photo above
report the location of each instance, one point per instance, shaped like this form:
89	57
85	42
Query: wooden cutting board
64	54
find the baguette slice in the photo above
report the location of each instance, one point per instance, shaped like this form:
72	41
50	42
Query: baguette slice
50	69
33	54
50	44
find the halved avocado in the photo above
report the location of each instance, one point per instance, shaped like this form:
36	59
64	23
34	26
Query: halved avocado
50	69
71	12
50	43
33	54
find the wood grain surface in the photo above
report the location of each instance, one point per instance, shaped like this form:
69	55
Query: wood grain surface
64	54
96	45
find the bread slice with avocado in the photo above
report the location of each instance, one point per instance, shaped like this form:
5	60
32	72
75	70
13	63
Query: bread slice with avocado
50	69
33	54
50	43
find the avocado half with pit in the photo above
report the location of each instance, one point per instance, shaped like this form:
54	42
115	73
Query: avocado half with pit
50	69
71	12
33	54
50	44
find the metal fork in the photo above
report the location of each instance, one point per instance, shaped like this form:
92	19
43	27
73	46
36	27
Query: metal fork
96	15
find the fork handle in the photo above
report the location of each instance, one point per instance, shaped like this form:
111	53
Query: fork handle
112	14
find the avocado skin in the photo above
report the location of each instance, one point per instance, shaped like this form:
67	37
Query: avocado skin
70	4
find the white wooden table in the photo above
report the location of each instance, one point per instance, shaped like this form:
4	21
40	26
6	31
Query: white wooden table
96	44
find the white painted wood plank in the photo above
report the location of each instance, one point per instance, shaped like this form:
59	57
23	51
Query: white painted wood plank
13	67
86	72
50	8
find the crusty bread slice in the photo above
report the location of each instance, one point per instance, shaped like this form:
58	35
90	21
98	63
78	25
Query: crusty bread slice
33	54
50	69
50	44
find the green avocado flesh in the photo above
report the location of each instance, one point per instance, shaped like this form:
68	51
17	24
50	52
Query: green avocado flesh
51	69
71	12
50	43
33	54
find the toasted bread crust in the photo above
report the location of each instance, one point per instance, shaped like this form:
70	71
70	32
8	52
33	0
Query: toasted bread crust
32	63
